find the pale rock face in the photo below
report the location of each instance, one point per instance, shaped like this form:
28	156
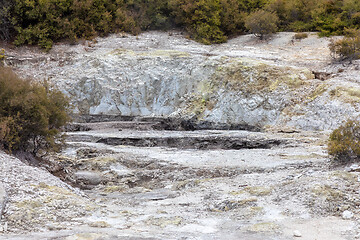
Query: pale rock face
216	89
134	85
160	75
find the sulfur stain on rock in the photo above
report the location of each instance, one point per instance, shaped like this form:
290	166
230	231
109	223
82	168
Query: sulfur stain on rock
99	224
164	221
348	176
252	76
319	90
327	192
235	193
156	53
346	94
258	190
114	188
87	236
264	227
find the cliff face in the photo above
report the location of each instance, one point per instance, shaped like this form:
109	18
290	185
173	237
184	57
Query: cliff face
241	82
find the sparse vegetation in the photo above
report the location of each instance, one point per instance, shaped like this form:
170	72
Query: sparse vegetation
344	142
299	36
31	115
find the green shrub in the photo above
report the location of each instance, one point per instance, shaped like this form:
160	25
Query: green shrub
299	36
294	15
208	21
6	26
262	23
344	142
201	19
31	115
2	57
347	48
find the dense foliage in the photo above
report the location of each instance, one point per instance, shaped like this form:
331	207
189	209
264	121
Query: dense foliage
209	21
262	23
31	115
344	142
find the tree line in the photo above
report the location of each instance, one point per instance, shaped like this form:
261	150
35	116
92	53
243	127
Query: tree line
42	22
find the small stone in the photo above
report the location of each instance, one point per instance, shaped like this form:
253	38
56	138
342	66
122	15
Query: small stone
354	168
297	233
99	224
347	214
51	227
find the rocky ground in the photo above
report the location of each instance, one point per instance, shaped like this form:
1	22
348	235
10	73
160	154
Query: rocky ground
141	176
266	185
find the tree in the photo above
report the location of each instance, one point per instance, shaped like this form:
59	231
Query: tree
6	26
262	23
201	19
31	115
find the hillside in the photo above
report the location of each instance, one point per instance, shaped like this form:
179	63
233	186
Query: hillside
276	83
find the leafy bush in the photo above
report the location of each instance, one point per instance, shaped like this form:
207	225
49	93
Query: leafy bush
207	21
42	22
344	142
2	56
299	36
201	19
6	26
347	48
262	23
31	115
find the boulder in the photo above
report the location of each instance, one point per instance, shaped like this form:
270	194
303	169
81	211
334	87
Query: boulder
88	177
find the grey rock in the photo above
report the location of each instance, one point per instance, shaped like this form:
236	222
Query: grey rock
3	199
297	233
87	177
354	168
347	214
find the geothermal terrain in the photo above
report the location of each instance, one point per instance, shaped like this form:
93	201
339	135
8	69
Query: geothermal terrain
172	139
